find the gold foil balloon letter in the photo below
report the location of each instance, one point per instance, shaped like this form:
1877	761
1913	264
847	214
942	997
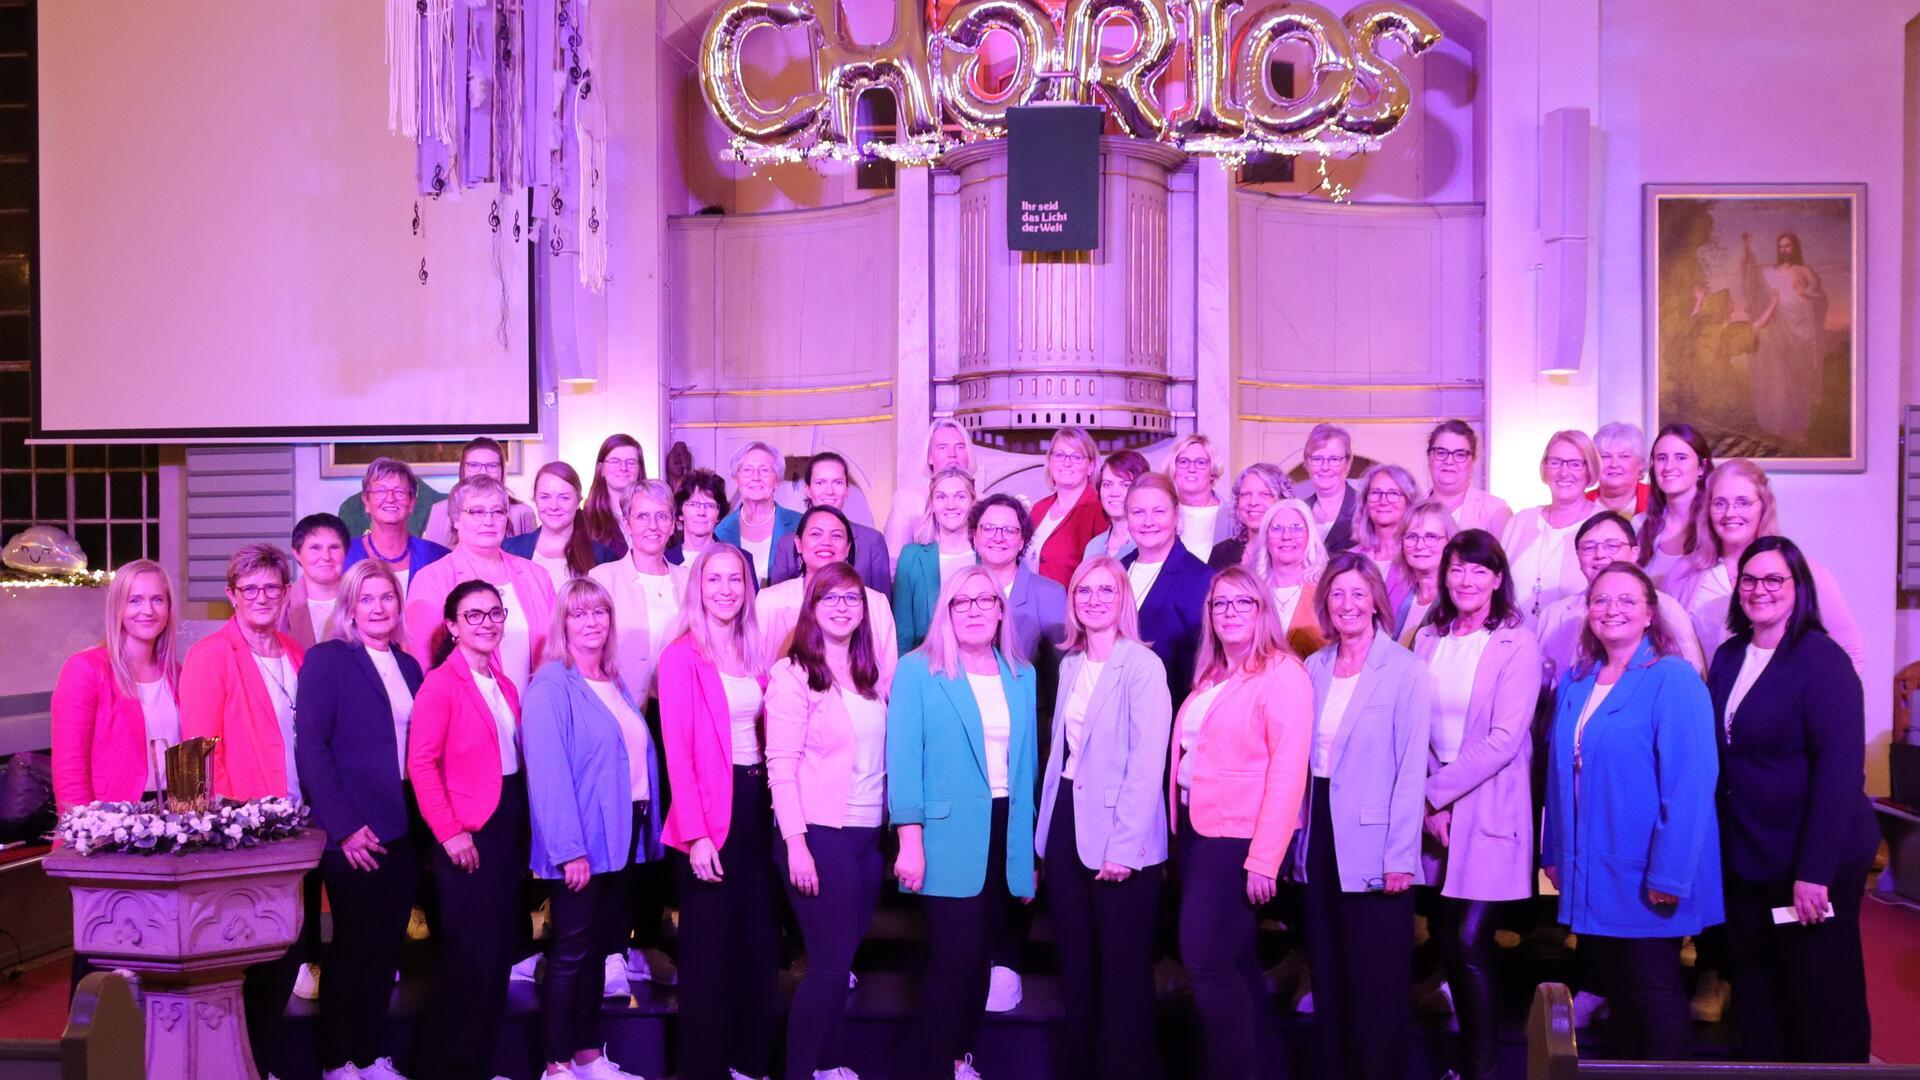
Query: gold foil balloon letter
1036	41
1123	83
724	85
900	64
1368	24
1209	111
1331	77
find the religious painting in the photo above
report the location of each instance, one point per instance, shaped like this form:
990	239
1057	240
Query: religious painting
424	458
1754	322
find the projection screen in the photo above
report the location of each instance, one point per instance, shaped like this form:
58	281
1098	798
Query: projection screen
228	243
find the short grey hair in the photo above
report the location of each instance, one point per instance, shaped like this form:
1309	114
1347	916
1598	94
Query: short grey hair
1619	433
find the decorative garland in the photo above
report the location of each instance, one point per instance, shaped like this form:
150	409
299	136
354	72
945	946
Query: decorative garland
144	828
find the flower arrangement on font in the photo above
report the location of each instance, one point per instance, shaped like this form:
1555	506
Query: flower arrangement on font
148	828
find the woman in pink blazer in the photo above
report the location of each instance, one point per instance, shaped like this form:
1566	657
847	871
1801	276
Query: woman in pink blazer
712	682
826	768
1240	747
117	705
238	685
479	510
1480	811
463	755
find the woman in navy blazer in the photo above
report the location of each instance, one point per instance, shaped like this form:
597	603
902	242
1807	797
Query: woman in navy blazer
593	777
1103	825
1170	606
1358	848
1630	839
351	710
563	545
1798	829
960	784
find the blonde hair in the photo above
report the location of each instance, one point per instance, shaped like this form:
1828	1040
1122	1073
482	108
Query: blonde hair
657	490
1321	435
1364	536
1154	481
1082	441
942	648
927	531
1269	637
1711	550
473	488
340	624
560	648
164	653
697	626
249	558
1431	508
1128	626
926	449
1259	562
1216	469
1580	442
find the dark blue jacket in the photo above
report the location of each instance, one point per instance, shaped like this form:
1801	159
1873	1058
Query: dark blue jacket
344	744
1172	614
523	545
420	552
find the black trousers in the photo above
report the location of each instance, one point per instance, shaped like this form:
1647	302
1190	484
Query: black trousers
477	941
831	925
1646	994
961	934
649	885
266	986
1218	946
370	910
1103	931
729	944
1799	992
1464	931
1360	953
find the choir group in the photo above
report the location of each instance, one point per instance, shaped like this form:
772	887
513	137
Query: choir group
1376	698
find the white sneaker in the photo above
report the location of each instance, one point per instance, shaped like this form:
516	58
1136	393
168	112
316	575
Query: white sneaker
528	970
306	985
853	983
344	1072
736	1074
614	977
381	1069
842	1073
1586	1006
1303	994
651	965
417	925
602	1068
963	1069
1003	995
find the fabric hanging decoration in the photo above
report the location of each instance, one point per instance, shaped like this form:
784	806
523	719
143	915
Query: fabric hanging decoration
590	164
403	68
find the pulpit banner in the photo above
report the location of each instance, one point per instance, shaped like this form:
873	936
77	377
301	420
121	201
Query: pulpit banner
1053	177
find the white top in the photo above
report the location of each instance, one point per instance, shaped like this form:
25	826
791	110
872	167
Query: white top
645	610
1600	692
951	561
1456	658
515	651
319	611
1660	566
758	551
1196	529
405	575
1141	575
996	724
1542	571
1044	528
283	682
743	709
1074	720
1751	666
162	715
866	799
633	732
1326	726
556	568
1286	600
398	696
1194	718
503	724
1712	595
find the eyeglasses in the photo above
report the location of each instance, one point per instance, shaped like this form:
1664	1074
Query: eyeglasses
255	592
1441	456
1068	457
704	506
1772	583
1414	539
1192	464
484	513
999	532
624	464
658	517
1239	605
842	600
1741	504
1327	461
1280	529
1617	603
964	604
1609	548
1565	464
1386	495
597	613
1103	593
755	471
388	494
476	616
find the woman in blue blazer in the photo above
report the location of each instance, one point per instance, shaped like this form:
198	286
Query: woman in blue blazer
757	524
960	783
1174	595
1103	825
1631	840
1358	848
563	545
351	709
593	779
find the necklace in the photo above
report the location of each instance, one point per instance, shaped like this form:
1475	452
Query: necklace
404	551
273	668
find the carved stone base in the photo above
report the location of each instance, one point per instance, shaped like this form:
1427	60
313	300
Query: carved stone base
196	1031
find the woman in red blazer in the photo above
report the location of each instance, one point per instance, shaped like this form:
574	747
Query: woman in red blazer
713	681
1067	520
463	755
117	705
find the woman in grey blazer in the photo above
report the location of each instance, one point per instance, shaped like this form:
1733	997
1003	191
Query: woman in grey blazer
1358	848
1105	840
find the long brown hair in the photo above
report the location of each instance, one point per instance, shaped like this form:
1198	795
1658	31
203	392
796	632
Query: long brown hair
1655	521
603	518
580	557
809	649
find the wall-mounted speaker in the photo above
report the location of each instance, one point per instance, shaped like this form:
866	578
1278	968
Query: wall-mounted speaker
1565	159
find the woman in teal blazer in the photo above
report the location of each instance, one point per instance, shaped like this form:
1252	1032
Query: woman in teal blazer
1632	841
942	544
961	765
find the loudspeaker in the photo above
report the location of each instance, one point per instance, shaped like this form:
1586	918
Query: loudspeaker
1562	310
1564	163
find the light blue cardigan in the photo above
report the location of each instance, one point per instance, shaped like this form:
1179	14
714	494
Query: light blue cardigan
579	787
1645	811
937	775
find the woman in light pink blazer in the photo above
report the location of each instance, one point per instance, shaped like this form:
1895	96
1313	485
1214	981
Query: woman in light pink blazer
712	684
1240	748
479	508
117	704
1480	809
826	767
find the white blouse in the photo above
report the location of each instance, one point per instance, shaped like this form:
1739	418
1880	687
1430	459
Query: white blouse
398	696
556	568
866	799
503	724
162	715
1326	726
1751	666
1074	720
996	724
1456	659
633	732
1194	719
1196	528
951	561
283	683
743	709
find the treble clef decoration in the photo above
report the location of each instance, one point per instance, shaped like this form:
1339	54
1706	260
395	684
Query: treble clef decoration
423	271
416	217
493	216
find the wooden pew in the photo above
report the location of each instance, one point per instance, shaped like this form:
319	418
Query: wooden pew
105	1039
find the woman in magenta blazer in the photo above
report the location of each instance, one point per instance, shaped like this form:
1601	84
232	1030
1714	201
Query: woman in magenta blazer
1240	747
1065	521
713	680
827	772
463	754
1479	844
117	705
